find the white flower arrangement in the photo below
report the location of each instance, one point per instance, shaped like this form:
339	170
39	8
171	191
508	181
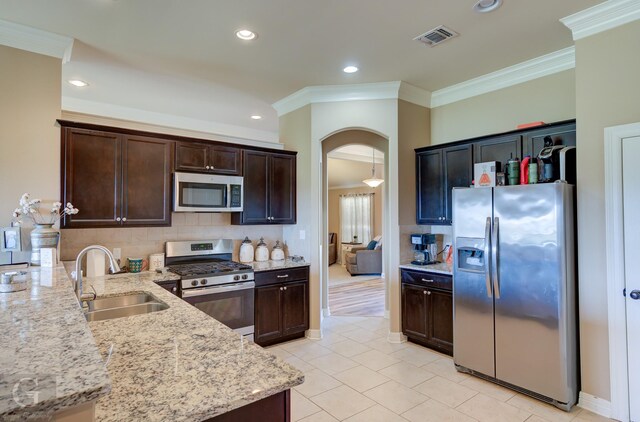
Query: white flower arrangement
30	208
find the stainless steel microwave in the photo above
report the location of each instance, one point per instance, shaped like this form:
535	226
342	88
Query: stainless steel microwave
196	192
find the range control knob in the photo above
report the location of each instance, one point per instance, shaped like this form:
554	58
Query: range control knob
203	281
236	277
244	276
194	283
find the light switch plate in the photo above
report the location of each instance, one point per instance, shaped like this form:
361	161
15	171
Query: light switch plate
303	235
117	253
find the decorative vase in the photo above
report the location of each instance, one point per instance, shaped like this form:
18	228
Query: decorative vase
43	236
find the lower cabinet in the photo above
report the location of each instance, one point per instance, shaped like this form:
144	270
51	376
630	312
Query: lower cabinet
281	305
427	309
170	286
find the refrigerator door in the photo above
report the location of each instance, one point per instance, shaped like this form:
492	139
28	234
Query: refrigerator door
535	334
473	345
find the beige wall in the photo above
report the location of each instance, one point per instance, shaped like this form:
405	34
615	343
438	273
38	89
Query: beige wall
334	208
29	137
608	94
549	99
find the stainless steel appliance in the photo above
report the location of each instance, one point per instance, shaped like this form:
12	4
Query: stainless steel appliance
213	283
514	288
196	192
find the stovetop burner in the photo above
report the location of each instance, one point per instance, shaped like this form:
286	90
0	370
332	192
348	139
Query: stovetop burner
201	269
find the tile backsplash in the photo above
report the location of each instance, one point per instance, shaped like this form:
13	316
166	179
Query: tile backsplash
141	241
444	236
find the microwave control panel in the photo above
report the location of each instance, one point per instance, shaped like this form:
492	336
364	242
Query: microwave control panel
236	196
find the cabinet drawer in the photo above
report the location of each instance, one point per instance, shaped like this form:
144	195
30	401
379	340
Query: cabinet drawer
427	279
264	278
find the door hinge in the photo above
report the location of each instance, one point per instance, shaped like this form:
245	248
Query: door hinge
624	292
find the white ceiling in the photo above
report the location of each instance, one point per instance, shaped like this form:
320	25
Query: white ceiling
182	58
348	166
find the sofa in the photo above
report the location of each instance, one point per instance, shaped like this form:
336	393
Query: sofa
364	261
333	248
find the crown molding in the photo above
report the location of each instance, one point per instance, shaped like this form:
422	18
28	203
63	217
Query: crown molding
548	64
353	92
602	17
35	40
223	132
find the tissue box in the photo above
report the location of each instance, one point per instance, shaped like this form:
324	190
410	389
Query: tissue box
484	174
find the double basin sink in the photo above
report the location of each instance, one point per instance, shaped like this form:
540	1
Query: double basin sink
131	304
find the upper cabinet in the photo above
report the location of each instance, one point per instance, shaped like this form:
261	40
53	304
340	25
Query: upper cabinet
499	148
269	189
438	171
203	157
564	134
115	179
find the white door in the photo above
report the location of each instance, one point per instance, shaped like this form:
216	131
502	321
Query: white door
631	198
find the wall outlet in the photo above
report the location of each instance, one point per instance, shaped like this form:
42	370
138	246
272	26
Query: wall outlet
303	235
117	253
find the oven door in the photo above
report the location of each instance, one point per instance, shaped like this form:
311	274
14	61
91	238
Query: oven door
231	304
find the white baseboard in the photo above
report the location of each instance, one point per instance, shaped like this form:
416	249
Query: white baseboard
313	334
386	314
396	338
326	312
594	404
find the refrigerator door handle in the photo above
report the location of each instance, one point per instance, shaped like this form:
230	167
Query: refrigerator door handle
495	258
487	245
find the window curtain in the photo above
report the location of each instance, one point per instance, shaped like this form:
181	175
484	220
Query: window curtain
356	217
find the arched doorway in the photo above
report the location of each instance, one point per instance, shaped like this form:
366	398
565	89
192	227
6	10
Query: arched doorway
331	143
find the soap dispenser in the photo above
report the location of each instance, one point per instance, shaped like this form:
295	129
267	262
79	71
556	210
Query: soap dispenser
277	254
262	252
246	251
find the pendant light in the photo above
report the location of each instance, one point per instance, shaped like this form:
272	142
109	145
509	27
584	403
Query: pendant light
373	182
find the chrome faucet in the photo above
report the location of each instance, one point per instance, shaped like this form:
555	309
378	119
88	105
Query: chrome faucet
113	265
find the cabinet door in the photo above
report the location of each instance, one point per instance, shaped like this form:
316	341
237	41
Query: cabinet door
256	193
282	189
146	164
562	134
225	160
92	177
458	164
500	148
414	311
430	188
268	313
295	310
192	156
440	317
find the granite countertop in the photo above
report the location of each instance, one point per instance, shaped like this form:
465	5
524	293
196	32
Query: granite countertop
441	268
276	265
179	364
45	337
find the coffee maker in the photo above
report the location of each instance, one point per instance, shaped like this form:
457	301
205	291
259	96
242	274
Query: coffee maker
422	254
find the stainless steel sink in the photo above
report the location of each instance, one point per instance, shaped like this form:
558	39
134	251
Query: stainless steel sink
104	308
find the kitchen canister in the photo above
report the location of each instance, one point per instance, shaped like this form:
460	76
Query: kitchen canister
262	252
246	251
156	261
277	253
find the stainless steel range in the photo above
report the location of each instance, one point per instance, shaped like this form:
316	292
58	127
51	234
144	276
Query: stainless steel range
213	283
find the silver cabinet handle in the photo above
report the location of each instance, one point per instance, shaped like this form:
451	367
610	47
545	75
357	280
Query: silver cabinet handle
496	258
281	288
487	245
428	293
174	289
207	167
427	281
282	276
424	292
118	219
124	218
285	287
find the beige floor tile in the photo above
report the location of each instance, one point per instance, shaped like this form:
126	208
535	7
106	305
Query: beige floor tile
446	369
376	360
329	338
546	411
316	382
301	407
343	329
362	335
384	346
536	418
434	411
416	355
376	413
342	402
374	323
333	363
321	416
487	409
361	378
445	391
587	416
309	351
396	397
294	343
299	363
406	374
488	388
384	332
279	352
348	348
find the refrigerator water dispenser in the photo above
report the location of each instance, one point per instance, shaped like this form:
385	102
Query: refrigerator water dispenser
470	254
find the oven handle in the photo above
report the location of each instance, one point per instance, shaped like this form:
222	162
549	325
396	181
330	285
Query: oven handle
218	289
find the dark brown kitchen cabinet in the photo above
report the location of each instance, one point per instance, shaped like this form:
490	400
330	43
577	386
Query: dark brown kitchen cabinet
498	148
203	157
115	179
269	189
438	171
281	305
171	286
564	134
427	309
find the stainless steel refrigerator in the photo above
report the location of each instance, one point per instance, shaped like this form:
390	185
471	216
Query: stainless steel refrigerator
514	288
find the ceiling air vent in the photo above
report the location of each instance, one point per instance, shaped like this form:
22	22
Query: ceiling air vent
436	36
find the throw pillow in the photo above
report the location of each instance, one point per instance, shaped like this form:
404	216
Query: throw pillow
372	245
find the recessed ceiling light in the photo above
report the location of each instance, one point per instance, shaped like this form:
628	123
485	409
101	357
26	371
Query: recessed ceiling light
256	117
77	82
485	6
350	69
245	34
